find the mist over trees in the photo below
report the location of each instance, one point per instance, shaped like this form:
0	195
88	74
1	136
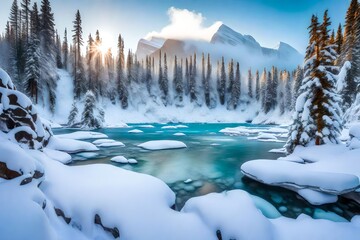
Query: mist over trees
32	52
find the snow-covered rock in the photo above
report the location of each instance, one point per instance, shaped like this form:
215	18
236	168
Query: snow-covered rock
135	131
111	144
19	118
162	145
179	134
81	135
325	170
119	159
70	145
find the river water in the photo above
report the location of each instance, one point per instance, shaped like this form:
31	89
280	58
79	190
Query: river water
211	163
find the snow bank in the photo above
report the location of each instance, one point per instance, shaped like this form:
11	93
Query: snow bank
80	135
327	170
162	145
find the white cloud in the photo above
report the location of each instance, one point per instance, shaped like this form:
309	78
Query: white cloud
185	24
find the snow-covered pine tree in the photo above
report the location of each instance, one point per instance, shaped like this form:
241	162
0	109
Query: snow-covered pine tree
207	85
274	87
288	92
89	61
121	81
77	43
178	84
193	75
187	77
222	87
72	119
263	88
299	76
231	82
148	75
317	117
268	97
164	83
349	52
89	118
257	86
58	50
250	88
99	70
49	76
25	11
205	80
65	51
236	89
32	69
339	40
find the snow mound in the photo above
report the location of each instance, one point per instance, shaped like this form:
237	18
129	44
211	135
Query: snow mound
146	126
70	145
278	150
285	173
179	134
56	155
81	135
162	145
119	159
111	144
135	131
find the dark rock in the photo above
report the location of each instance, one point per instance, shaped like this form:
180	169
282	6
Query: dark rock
61	213
26	181
218	235
114	231
38	174
7	173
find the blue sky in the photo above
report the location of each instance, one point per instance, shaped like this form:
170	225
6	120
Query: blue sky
268	21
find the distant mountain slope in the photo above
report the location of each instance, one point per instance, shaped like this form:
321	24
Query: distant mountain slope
228	43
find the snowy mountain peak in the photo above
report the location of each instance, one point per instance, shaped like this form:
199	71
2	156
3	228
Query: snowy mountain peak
227	35
281	46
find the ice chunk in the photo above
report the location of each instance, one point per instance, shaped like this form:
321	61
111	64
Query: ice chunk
135	131
162	145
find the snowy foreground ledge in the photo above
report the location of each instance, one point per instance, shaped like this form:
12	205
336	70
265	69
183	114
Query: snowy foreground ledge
318	173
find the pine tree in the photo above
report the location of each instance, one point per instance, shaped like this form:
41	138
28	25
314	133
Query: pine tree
257	86
32	69
274	88
90	65
121	81
250	80
72	119
164	87
317	119
48	76
268	98
25	5
236	88
222	86
98	68
288	92
65	51
187	77
349	53
231	82
58	51
89	119
148	75
192	83
178	83
77	43
47	26
339	40
299	76
207	86
263	88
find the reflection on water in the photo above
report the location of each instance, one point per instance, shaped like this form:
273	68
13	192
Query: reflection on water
212	161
